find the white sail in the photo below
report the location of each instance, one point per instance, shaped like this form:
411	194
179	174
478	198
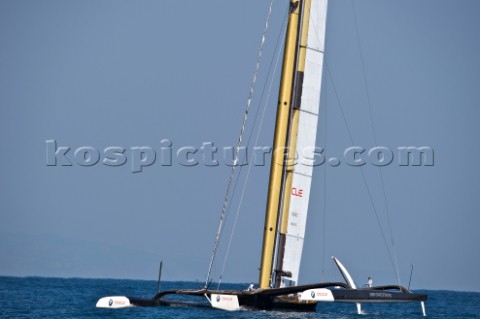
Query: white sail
307	131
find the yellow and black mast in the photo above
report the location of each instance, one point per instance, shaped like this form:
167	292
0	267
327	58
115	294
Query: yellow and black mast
284	139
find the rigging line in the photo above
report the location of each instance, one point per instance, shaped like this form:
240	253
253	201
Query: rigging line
258	107
280	36
250	136
367	91
361	169
369	103
324	227
277	51
239	142
392	258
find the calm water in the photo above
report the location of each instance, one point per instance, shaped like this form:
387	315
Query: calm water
76	298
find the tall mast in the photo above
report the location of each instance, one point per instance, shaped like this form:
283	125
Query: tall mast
279	143
292	139
295	133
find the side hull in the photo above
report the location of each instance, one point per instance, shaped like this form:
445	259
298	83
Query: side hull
374	296
280	303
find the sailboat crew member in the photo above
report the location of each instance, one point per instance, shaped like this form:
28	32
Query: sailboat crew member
369	282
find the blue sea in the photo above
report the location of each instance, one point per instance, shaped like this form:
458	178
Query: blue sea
36	297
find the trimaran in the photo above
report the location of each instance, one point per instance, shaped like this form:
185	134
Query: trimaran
288	194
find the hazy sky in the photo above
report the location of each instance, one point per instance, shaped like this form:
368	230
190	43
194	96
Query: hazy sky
93	75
